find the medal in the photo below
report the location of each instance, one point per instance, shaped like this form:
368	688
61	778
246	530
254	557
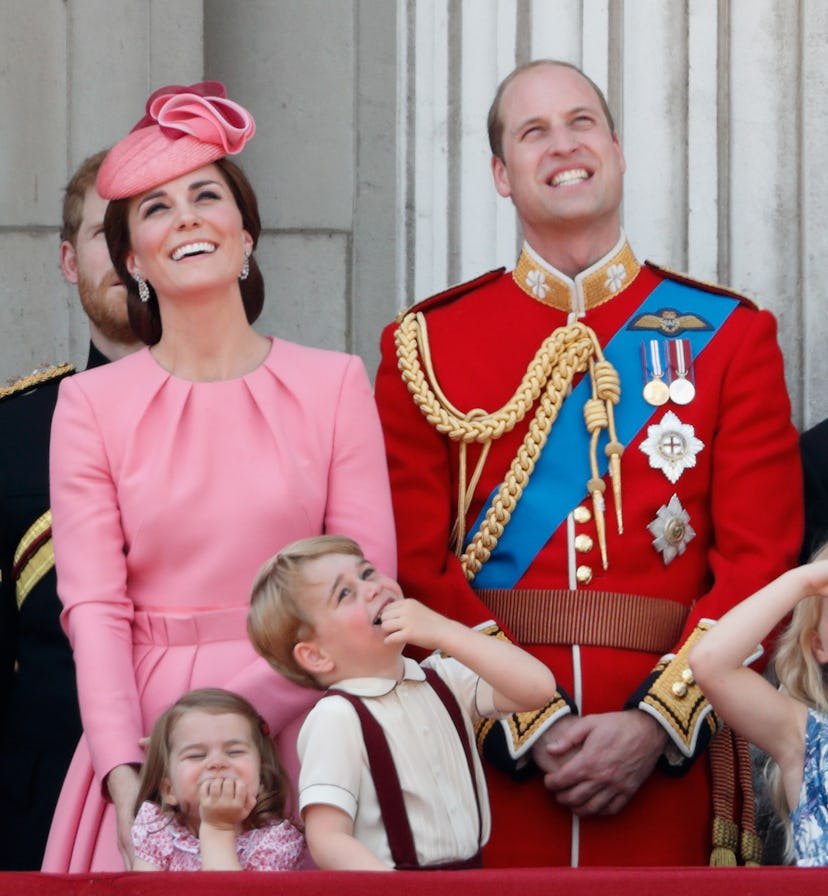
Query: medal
656	392
682	390
671	446
671	530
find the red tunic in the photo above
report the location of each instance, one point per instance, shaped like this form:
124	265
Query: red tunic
743	497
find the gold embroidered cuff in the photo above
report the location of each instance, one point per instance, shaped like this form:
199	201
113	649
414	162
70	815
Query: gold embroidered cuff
506	742
516	734
674	699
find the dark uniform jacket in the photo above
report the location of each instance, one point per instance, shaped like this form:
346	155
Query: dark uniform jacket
39	711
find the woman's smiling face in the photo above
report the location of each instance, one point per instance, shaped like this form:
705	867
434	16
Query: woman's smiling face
187	234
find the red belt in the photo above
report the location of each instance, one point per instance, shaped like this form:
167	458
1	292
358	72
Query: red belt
591	618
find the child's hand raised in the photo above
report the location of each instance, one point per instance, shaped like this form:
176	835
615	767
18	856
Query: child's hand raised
816	576
224	803
410	622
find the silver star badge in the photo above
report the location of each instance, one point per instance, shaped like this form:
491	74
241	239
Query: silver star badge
672	530
671	446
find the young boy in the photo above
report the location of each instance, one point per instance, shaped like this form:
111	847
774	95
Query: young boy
390	777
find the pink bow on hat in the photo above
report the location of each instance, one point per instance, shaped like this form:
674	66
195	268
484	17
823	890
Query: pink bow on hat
183	129
203	111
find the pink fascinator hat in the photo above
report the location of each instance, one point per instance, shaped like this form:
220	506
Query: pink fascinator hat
183	129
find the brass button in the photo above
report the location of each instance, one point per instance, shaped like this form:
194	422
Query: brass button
679	689
582	514
687	676
583	543
584	575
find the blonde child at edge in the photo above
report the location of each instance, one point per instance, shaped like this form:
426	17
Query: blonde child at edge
324	617
212	791
789	724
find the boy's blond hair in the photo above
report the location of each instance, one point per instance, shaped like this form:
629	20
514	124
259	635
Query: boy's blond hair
278	619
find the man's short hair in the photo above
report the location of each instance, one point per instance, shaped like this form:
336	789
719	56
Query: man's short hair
495	122
75	194
278	619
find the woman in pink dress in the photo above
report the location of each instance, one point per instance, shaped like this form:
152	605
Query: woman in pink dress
179	470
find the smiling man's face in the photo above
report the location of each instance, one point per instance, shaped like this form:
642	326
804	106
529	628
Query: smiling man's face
562	166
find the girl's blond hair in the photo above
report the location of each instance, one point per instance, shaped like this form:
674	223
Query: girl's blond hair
802	677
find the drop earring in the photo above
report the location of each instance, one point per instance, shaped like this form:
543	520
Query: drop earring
143	288
245	271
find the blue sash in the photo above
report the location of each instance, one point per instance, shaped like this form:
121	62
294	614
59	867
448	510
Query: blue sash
558	482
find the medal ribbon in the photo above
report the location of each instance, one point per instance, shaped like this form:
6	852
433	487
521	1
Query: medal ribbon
678	357
558	482
655	360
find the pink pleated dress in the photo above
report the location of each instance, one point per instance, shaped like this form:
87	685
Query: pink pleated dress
167	496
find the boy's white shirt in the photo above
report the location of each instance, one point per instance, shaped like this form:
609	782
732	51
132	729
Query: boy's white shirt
429	759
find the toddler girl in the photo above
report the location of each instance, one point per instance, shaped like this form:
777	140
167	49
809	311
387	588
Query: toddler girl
790	724
213	791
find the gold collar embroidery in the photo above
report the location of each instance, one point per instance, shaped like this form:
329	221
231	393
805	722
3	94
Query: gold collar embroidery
592	287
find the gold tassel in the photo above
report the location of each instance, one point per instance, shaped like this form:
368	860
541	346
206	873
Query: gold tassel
751	848
607	388
614	450
725	841
596	489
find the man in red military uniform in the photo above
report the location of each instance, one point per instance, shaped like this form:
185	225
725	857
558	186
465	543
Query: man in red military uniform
596	457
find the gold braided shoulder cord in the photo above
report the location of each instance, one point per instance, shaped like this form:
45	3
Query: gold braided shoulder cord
39	376
566	352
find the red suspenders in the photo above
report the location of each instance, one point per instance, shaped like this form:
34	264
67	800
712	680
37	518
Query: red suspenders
387	782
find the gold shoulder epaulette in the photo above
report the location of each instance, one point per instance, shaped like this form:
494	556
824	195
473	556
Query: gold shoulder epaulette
452	293
715	288
36	378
